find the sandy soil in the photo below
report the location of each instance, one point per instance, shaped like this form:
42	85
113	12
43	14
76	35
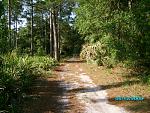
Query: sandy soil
69	90
89	94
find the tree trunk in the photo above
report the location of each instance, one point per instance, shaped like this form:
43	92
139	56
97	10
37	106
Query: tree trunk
15	31
16	41
58	31
14	34
51	33
55	35
9	21
32	53
45	35
42	32
130	4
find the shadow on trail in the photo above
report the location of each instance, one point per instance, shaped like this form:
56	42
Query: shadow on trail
137	106
119	84
103	87
74	61
60	69
46	97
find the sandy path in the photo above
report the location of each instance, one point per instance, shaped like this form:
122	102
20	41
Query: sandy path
69	90
92	97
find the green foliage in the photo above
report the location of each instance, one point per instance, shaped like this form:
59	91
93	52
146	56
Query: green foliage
70	41
121	27
17	74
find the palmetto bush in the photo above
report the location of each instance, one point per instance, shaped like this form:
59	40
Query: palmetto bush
17	74
100	52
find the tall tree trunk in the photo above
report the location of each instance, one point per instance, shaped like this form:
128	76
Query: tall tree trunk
51	33
14	34
42	31
16	39
9	21
15	31
58	31
130	4
32	53
45	35
55	30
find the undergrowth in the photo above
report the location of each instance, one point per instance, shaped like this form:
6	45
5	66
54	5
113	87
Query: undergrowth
16	76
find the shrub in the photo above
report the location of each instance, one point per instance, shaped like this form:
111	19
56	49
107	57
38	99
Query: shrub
101	52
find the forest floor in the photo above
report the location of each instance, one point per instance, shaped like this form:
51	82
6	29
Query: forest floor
76	87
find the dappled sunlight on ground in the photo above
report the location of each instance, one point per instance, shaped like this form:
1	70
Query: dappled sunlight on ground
77	87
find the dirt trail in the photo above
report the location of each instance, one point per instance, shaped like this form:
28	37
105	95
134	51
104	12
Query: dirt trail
71	90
